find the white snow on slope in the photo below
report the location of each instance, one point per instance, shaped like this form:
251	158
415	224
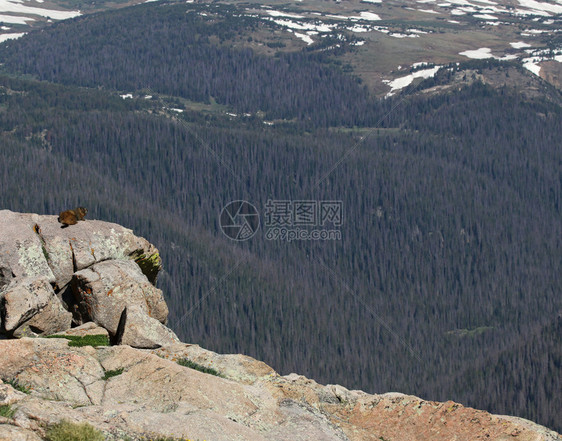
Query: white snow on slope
359	29
17	6
478	54
520	45
365	15
529	64
5	37
304	38
322	27
485	16
400	83
12	19
283	14
541	6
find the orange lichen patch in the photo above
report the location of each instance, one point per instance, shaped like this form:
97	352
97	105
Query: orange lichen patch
110	292
407	419
68	361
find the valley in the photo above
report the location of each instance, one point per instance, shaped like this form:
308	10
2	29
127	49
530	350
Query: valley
436	124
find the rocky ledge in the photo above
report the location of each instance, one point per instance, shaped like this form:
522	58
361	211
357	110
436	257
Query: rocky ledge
85	340
53	278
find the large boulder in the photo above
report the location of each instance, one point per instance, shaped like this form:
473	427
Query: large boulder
49	320
105	289
22	299
34	245
140	330
86	243
22	253
89	328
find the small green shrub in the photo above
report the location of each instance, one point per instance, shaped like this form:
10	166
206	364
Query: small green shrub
192	365
17	386
84	340
112	373
68	431
7	411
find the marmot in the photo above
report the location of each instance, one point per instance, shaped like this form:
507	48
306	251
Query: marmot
71	217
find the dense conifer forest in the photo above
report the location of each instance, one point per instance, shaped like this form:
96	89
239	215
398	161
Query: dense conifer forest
446	282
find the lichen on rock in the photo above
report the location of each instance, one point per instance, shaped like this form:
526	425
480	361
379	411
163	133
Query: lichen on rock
150	264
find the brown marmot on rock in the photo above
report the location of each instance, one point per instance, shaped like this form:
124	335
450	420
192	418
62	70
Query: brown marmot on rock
71	217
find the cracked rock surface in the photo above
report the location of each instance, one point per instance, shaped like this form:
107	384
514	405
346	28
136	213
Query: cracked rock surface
53	278
150	393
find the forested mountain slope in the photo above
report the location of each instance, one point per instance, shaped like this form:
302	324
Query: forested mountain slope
175	50
450	257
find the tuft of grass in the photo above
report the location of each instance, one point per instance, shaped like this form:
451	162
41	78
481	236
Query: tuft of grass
7	411
112	373
17	386
84	340
68	431
192	365
45	253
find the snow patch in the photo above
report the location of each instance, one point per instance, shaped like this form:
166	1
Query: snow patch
12	19
365	15
304	38
17	6
322	27
541	6
485	16
532	66
519	45
359	29
400	83
283	14
478	54
5	37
